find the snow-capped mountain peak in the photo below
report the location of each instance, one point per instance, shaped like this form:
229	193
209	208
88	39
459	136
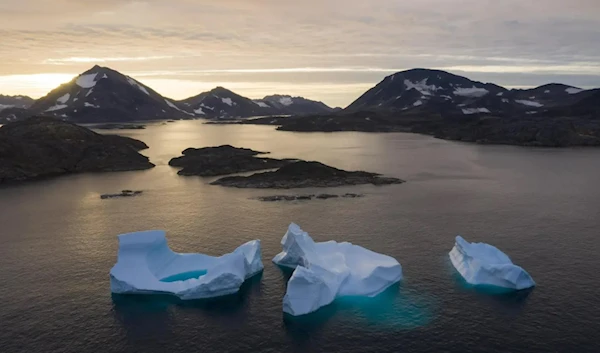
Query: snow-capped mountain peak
102	94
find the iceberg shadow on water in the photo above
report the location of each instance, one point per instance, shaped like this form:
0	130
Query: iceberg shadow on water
159	316
396	308
159	302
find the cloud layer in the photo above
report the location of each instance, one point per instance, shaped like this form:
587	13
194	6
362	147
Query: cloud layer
325	49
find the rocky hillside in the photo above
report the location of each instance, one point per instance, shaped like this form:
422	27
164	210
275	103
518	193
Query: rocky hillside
104	95
15	102
221	103
41	146
288	105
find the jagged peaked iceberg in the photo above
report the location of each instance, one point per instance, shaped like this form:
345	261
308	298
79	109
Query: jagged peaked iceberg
146	265
484	264
324	271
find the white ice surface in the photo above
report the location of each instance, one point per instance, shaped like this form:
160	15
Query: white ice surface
529	103
471	92
145	260
324	271
86	81
484	264
475	110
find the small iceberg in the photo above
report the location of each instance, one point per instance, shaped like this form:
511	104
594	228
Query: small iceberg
327	270
484	264
146	265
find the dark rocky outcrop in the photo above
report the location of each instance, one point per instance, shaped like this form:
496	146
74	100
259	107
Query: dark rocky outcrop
302	174
274	198
223	160
119	127
123	193
39	147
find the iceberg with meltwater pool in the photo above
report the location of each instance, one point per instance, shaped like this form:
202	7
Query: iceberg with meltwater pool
327	270
484	264
146	265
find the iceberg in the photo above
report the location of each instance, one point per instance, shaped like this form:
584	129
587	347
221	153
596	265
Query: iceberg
484	264
146	265
327	270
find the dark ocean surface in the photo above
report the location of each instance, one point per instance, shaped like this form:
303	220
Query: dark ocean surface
541	206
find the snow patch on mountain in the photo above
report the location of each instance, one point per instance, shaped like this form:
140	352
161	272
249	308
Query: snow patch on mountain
262	104
573	90
89	92
471	92
199	111
139	86
206	106
228	101
420	86
467	111
90	105
170	104
86	81
64	99
529	103
287	101
417	103
57	107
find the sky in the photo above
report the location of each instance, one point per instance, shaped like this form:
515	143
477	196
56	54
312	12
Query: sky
328	50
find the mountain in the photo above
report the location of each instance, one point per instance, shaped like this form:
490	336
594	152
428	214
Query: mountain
436	91
15	102
288	105
104	95
223	104
41	146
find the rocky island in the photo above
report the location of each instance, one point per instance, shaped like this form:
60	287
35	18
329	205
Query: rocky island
302	174
223	160
39	147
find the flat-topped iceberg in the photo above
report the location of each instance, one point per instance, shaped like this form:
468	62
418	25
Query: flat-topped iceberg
484	264
146	265
327	270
